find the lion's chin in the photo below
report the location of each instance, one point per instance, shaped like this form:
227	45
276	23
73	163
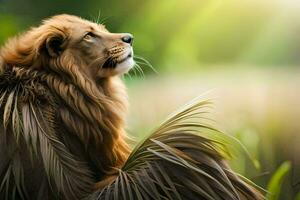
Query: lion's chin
124	66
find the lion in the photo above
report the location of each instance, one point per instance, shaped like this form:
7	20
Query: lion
62	125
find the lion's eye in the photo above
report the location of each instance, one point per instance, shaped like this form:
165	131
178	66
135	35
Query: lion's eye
89	36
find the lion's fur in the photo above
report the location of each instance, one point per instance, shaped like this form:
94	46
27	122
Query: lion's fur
91	110
102	105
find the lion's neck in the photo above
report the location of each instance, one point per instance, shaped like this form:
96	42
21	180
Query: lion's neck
99	119
95	113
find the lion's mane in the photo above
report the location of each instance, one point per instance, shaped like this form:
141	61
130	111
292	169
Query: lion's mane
87	116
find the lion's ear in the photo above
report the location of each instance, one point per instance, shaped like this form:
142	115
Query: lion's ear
54	45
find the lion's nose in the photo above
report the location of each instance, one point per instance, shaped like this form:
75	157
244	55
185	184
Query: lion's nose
128	38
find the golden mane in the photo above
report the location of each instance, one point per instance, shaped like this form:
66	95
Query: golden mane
95	111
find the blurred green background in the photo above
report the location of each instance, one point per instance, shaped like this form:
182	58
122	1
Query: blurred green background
246	53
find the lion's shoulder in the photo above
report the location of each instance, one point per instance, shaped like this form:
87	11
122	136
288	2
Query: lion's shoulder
22	85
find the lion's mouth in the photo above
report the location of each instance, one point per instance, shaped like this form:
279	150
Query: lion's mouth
111	63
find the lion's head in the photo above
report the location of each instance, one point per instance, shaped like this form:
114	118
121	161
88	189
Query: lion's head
65	41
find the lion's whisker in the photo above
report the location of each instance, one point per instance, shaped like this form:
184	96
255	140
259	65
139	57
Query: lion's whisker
145	62
139	64
98	18
138	67
128	74
134	70
103	21
141	70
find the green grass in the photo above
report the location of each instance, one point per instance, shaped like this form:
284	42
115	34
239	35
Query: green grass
274	185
